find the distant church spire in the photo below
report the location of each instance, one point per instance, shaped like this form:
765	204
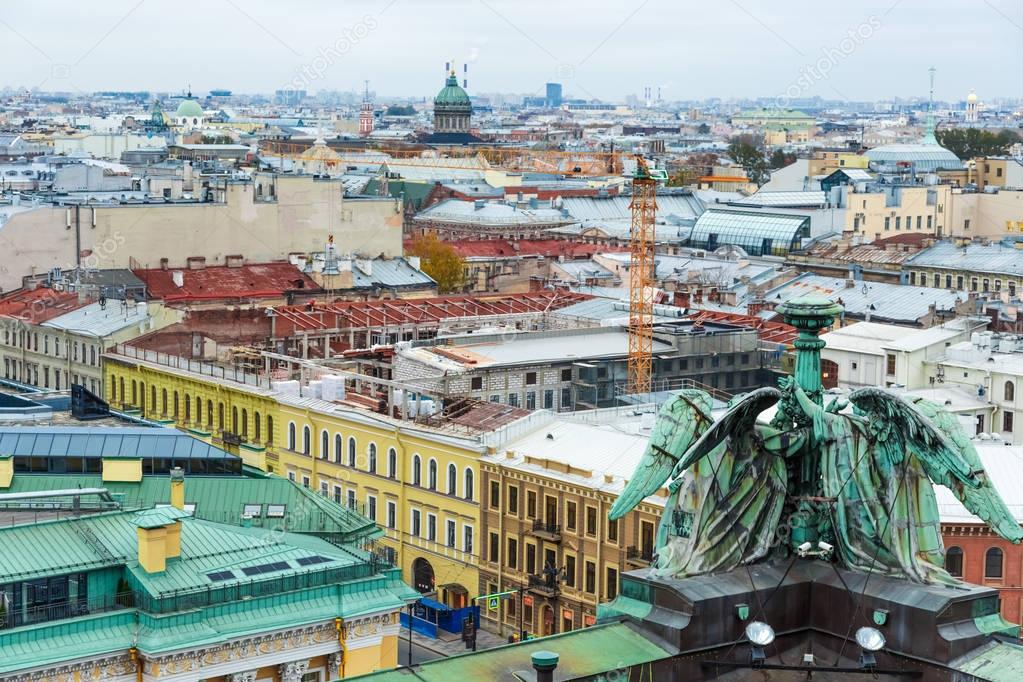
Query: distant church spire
929	136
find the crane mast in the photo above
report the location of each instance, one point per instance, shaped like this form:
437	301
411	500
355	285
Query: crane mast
641	282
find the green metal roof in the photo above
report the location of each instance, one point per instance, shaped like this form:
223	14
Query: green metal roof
223	499
581	653
452	93
1000	662
156	518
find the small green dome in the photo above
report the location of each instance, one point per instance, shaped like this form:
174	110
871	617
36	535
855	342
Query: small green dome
188	108
452	93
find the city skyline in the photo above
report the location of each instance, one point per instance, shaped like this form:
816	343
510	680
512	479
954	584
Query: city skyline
876	50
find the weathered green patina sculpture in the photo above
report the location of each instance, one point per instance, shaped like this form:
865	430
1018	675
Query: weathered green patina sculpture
743	491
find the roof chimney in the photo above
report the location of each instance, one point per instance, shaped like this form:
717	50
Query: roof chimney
159	536
177	488
544	663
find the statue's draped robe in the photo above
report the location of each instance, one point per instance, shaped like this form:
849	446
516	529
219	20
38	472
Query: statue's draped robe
709	528
885	514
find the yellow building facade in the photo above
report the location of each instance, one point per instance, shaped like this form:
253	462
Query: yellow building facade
421	485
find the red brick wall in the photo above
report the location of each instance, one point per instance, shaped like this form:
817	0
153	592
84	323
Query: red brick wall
975	540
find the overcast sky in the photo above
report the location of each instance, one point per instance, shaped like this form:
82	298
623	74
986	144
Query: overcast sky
601	48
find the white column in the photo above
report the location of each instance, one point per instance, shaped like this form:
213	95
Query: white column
248	676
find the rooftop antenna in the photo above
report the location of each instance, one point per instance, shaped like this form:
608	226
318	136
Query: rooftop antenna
929	137
365	96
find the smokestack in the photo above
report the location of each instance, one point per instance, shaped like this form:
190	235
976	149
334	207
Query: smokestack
544	663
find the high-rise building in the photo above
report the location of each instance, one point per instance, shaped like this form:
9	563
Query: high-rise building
553	98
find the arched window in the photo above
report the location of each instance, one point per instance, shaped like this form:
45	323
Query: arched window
209	414
175	413
417	470
163	396
307	437
392	463
234	420
1010	391
291	436
324	444
467	491
339	447
245	423
452	479
432	474
269	429
954	561
993	563
188	408
152	398
256	425
134	393
351	451
220	416
372	468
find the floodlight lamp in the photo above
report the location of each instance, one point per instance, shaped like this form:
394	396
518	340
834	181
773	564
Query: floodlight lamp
760	633
804	548
870	639
825	547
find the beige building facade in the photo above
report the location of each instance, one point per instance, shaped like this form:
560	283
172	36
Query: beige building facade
545	529
265	218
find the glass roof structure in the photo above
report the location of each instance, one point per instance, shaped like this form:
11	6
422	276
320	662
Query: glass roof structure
758	234
923	156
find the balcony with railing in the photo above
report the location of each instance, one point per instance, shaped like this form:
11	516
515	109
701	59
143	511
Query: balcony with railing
544	585
639	556
546	530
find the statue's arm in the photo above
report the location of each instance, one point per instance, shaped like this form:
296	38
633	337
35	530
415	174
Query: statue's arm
786	443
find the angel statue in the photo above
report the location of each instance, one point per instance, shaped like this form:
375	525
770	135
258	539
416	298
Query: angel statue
726	509
869	473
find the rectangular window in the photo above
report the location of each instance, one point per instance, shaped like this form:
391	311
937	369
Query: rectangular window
513	499
591	520
495	494
612	531
898	222
391	513
513	553
531	504
530	559
929	221
566	375
467	539
371	507
431	527
1007	421
476	383
352	502
887	223
305	481
566	397
611	587
890	364
569	570
450	533
590	584
531	400
513	399
548	399
416	522
966	224
570	515
495	544
530	378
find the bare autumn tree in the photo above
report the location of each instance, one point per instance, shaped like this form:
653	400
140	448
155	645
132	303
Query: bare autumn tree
440	261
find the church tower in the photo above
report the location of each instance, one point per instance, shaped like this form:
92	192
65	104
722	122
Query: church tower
366	114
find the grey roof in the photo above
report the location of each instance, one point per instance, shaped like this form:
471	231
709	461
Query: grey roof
882	301
490	213
612	310
684	267
923	156
782	199
617	207
124	441
1000	258
96	320
391	272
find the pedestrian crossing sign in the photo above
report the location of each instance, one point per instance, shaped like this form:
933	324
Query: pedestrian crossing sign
493	602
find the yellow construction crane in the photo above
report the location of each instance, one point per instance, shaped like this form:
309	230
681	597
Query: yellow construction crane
641	278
